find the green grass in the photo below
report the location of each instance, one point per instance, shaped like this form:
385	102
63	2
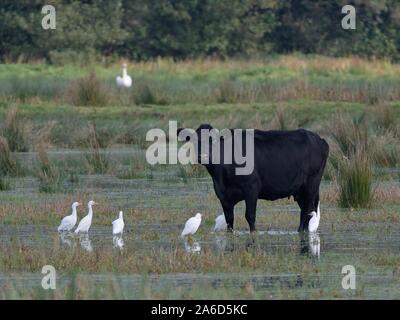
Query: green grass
165	82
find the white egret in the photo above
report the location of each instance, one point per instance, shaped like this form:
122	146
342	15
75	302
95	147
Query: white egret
68	222
314	221
220	223
125	81
86	222
191	225
118	224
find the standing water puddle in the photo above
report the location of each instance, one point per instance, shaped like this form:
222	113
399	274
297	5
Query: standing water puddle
332	249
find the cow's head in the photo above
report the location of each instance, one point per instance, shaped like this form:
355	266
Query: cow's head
228	146
203	138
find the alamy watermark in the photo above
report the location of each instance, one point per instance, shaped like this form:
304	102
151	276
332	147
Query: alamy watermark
349	20
49	280
349	280
49	20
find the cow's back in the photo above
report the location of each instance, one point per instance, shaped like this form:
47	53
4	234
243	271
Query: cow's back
283	160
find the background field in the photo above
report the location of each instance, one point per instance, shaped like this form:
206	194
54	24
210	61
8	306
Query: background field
68	134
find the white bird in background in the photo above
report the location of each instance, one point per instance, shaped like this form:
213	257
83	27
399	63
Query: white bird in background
118	224
86	222
220	223
68	222
125	81
191	225
314	221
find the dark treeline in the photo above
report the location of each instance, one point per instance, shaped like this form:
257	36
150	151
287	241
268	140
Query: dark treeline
143	29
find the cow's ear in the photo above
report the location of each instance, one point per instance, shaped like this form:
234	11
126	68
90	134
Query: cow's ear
206	126
185	134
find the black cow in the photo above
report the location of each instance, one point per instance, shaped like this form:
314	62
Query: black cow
286	163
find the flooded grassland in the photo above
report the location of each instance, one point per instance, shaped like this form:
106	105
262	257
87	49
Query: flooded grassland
150	260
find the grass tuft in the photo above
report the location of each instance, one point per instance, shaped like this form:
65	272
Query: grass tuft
50	179
8	166
88	91
14	131
4	184
95	158
355	181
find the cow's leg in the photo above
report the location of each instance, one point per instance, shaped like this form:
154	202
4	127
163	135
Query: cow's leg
306	204
316	202
251	206
303	222
229	216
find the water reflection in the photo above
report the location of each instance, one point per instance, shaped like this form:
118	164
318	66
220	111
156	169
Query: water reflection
310	244
220	242
66	238
85	242
118	242
314	243
192	246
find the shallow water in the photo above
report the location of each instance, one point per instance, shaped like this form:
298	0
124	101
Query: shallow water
341	247
365	236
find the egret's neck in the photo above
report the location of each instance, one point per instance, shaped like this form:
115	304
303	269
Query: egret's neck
124	73
74	211
90	211
120	215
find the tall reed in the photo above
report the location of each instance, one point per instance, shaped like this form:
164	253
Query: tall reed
95	158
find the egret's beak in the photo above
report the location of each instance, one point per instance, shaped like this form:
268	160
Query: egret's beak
79	204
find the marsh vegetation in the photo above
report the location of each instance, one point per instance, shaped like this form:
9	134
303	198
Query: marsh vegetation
67	134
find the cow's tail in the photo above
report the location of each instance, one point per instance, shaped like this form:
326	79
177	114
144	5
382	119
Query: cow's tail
325	153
